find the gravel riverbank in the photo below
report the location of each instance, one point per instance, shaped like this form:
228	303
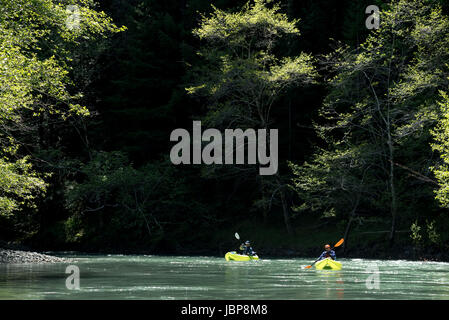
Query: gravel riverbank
18	256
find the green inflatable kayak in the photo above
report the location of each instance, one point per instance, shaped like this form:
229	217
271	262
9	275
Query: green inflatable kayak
328	264
239	257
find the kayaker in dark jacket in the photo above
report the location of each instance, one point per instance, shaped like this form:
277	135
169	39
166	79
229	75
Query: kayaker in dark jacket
247	249
328	253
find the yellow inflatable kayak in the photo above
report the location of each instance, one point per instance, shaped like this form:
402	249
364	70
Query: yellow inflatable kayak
239	257
328	264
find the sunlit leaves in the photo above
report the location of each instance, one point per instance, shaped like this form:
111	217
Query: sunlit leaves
242	72
441	144
256	22
19	185
36	47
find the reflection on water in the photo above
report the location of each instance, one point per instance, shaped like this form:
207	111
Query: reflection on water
333	283
157	277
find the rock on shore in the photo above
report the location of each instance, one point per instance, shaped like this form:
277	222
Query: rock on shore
17	256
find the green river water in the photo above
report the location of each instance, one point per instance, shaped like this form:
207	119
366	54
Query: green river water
167	277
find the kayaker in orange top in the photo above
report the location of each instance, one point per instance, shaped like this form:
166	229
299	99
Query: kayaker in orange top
328	253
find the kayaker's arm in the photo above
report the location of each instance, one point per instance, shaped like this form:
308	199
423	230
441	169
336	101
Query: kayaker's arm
333	255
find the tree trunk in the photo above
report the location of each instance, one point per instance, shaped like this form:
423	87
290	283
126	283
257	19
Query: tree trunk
290	129
393	192
286	213
348	226
285	208
265	207
281	186
391	156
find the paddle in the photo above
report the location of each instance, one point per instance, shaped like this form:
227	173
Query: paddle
339	243
237	236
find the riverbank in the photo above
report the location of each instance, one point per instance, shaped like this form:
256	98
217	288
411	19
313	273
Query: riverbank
366	241
370	251
19	256
408	253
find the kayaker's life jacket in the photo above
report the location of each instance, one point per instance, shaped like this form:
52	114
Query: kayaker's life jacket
247	250
330	254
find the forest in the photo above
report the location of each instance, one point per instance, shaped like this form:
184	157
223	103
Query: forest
90	92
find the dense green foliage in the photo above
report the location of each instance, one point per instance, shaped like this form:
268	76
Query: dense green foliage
37	93
382	102
86	112
243	77
441	135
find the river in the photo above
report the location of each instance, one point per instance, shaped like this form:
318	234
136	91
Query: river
168	277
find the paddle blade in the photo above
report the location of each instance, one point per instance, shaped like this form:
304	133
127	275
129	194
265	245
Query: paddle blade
339	243
307	267
237	236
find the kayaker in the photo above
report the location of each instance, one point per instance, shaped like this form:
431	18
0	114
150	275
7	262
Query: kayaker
328	253
247	249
